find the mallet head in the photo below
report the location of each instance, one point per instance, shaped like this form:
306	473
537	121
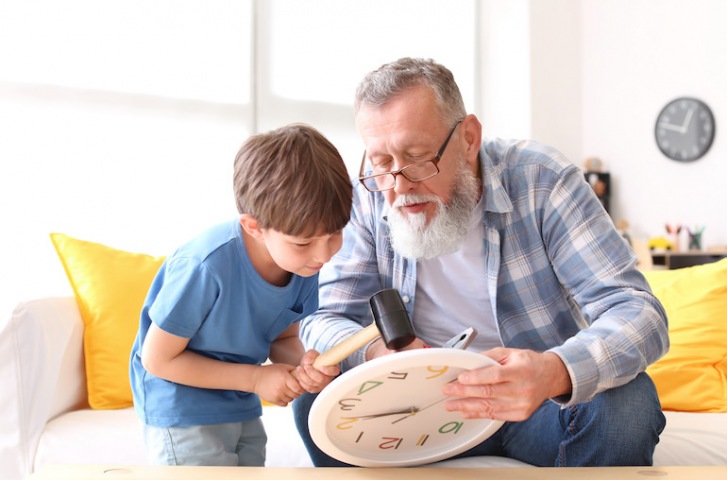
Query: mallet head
392	319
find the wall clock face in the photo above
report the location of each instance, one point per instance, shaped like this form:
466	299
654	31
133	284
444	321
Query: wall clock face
685	129
389	412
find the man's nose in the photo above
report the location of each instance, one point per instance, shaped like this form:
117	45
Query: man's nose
403	184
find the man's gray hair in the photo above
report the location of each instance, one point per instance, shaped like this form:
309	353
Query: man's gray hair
382	84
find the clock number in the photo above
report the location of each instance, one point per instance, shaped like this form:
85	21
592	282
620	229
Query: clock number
451	427
359	437
398	375
390	442
346	404
368	386
346	423
437	371
422	440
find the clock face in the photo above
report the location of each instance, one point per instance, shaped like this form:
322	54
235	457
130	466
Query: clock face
685	129
389	412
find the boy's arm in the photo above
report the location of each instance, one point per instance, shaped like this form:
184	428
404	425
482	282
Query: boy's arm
287	348
165	356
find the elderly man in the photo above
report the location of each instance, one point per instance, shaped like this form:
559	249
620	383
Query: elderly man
506	237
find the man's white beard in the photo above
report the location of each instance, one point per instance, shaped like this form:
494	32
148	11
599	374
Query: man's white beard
412	238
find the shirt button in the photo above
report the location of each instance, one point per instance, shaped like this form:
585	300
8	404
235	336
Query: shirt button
405	298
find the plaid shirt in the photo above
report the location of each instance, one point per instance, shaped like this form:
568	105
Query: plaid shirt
559	275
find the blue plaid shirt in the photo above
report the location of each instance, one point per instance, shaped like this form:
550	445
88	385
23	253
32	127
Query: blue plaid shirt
559	276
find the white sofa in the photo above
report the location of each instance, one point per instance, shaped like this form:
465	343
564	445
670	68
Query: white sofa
46	420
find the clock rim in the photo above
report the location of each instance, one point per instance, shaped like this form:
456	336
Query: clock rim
317	418
707	146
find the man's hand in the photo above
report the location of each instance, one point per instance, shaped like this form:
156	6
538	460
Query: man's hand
314	379
512	390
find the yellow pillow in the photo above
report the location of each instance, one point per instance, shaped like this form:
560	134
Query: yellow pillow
692	376
110	287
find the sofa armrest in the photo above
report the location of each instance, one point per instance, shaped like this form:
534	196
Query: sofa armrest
42	375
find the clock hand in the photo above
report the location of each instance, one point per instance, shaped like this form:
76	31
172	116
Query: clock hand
408	411
669	126
432	404
415	410
688	119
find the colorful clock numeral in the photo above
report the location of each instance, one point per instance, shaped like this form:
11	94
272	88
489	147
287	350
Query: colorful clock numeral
347	404
451	427
422	440
368	386
390	443
347	423
438	371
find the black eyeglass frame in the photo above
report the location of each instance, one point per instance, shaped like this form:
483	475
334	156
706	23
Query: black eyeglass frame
402	171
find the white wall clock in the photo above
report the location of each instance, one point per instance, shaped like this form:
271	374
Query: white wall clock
389	412
685	129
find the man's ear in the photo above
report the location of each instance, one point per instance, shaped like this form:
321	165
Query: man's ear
250	225
472	135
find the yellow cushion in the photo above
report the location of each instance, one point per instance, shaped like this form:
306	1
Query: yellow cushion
110	287
692	376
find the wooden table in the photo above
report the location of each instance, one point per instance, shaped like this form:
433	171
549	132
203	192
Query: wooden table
119	472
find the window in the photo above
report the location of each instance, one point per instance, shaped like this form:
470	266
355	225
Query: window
120	119
313	53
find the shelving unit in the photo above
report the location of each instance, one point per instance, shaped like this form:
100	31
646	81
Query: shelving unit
671	260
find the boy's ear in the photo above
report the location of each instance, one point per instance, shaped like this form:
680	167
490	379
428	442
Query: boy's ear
250	225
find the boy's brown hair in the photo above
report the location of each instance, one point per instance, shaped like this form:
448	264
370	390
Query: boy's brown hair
293	180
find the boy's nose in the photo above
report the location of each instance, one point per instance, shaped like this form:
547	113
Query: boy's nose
324	254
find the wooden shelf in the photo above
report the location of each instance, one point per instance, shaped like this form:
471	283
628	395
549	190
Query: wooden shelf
688	258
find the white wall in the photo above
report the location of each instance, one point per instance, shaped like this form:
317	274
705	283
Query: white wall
637	56
556	74
595	74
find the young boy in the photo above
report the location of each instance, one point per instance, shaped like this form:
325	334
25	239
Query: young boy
230	299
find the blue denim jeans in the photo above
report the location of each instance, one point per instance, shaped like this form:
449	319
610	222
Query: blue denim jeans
225	444
619	427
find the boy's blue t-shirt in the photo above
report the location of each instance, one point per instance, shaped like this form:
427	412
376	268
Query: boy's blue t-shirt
209	291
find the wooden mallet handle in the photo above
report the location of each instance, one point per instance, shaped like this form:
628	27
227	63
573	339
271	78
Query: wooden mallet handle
344	349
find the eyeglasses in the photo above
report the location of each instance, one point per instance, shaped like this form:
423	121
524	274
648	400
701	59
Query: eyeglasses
415	172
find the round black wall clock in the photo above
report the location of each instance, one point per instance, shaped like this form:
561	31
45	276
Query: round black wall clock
685	129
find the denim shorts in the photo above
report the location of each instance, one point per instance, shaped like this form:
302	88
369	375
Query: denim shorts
239	443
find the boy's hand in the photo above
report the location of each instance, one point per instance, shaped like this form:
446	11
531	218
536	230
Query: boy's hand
314	379
275	384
